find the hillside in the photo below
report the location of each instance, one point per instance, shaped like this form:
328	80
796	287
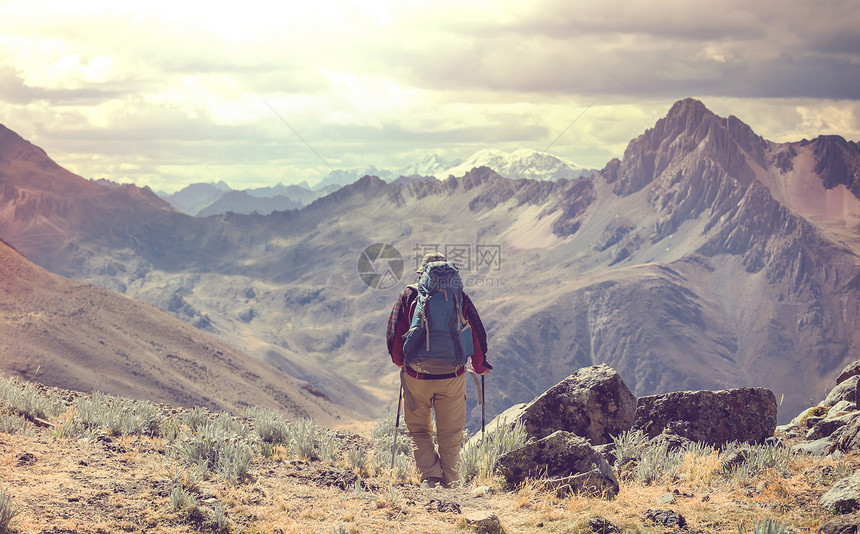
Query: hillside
707	257
82	337
68	477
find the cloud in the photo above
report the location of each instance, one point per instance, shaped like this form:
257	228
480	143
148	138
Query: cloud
165	90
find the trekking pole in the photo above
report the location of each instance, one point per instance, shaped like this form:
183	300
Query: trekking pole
483	407
396	426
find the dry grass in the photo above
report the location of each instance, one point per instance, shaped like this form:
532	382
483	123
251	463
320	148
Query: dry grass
124	484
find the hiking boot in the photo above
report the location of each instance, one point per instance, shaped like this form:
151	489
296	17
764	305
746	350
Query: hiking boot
430	483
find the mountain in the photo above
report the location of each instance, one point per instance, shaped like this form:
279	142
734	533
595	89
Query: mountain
245	202
431	165
522	163
204	200
207	199
77	336
195	197
342	177
705	258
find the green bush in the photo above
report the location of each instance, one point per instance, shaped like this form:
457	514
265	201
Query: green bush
117	415
308	440
767	526
270	426
629	445
196	417
8	510
358	458
477	458
15	424
26	400
383	438
218	446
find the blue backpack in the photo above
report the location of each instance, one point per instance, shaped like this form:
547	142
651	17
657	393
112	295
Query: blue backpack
438	328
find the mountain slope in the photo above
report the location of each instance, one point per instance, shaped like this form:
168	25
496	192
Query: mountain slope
705	258
77	336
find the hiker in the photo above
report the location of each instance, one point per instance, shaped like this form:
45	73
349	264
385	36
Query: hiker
437	383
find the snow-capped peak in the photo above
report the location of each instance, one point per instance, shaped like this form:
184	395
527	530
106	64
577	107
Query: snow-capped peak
521	163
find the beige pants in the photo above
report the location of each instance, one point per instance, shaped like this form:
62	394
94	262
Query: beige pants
447	398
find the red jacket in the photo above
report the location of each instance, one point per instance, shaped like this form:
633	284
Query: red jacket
399	320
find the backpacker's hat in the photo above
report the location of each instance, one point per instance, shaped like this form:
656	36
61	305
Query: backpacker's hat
430	257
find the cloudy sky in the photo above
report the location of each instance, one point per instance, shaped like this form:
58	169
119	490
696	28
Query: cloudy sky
166	93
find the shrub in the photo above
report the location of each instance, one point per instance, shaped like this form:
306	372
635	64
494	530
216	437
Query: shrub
218	518
196	417
307	440
15	424
756	459
657	464
477	459
629	445
383	437
218	446
181	499
767	526
269	425
358	458
8	510
118	416
26	400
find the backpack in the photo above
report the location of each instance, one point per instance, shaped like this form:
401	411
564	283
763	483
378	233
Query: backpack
438	328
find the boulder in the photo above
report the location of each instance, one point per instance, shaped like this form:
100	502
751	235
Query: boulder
841	408
845	524
666	518
483	523
845	391
593	403
828	426
712	417
567	462
848	438
819	447
844	496
852	369
600	525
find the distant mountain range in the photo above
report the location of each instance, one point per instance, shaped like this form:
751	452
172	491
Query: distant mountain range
205	199
706	258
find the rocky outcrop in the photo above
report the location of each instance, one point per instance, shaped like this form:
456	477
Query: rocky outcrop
852	369
712	417
832	426
566	462
846	524
593	403
844	496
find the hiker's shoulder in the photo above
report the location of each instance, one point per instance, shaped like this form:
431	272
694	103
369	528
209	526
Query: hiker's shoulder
409	291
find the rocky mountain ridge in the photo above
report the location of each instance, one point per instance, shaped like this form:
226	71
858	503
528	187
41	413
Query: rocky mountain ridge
202	199
705	258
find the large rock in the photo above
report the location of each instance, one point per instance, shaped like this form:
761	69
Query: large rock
567	462
593	403
852	369
712	417
844	496
846	524
844	391
847	438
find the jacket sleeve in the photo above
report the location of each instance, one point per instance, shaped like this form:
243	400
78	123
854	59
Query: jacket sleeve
398	324
479	336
